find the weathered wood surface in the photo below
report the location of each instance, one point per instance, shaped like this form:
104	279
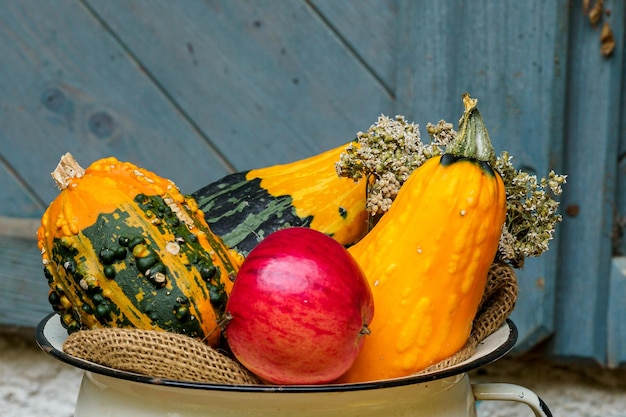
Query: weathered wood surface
616	305
243	70
590	157
195	89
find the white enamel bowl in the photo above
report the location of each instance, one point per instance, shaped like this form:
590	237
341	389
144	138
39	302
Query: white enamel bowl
109	392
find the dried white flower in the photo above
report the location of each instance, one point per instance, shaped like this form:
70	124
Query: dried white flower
532	211
384	156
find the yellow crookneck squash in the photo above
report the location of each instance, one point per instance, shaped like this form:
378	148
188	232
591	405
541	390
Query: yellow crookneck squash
122	247
428	257
247	206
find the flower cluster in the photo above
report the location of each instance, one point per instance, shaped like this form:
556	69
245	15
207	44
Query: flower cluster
532	211
391	150
441	134
384	157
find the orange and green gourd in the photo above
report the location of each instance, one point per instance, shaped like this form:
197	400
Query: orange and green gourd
247	206
122	247
428	257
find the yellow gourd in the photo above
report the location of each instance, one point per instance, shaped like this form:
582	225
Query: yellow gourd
427	259
245	207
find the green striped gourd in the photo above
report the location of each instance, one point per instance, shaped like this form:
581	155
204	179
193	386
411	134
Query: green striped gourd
122	247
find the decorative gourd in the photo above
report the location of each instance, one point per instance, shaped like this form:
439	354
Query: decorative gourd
428	257
245	207
122	247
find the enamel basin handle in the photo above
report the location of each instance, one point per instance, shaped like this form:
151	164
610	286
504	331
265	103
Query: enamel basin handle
512	392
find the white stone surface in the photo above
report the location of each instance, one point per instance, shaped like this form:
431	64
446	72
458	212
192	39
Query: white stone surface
34	384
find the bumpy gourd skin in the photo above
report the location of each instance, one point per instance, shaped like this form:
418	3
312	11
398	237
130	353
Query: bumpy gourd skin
427	262
122	247
245	207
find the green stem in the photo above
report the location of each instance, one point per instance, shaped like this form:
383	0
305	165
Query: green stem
472	140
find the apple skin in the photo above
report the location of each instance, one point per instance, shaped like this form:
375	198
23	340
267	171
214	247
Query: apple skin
298	309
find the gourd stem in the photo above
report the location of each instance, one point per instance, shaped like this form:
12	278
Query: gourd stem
472	140
66	170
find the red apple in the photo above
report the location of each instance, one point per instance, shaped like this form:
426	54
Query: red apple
299	308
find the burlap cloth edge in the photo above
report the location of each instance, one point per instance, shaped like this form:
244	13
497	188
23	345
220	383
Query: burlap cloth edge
178	357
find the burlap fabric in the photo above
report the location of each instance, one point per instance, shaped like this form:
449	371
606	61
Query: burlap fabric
178	357
157	354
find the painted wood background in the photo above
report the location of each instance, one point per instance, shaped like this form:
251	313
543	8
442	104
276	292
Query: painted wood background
196	89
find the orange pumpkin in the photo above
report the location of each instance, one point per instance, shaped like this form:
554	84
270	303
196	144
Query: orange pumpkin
122	247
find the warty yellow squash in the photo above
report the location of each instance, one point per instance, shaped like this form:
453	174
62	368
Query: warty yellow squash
428	257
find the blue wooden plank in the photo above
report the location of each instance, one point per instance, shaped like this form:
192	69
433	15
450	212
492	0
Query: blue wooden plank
591	144
534	311
267	81
616	309
619	226
67	85
616	312
369	28
19	200
24	287
511	56
620	217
